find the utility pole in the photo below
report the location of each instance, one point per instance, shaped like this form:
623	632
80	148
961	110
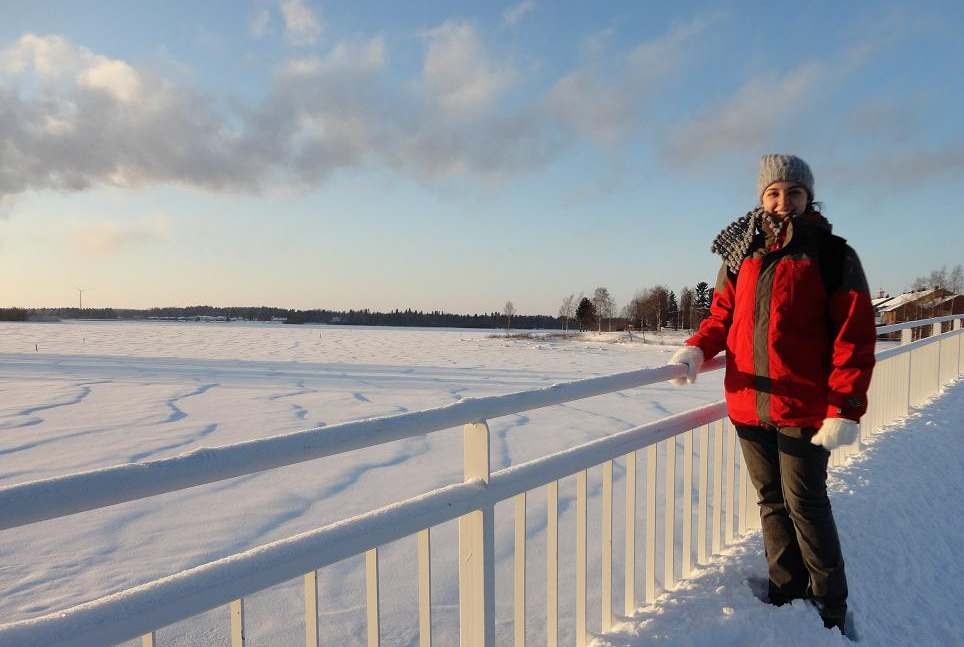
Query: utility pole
80	297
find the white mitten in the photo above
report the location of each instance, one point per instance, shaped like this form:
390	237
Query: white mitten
692	357
835	432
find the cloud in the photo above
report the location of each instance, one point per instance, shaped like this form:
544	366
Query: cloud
603	99
515	14
911	168
747	120
458	73
302	26
260	23
108	238
72	119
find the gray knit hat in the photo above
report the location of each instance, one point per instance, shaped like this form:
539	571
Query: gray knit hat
784	168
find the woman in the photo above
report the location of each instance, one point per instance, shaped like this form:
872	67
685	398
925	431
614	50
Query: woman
792	309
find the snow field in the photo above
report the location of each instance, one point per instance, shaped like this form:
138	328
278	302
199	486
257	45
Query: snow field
107	393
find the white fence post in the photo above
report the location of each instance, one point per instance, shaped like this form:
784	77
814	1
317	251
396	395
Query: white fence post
729	464
687	503
581	557
372	597
669	516
519	574
650	593
311	610
237	623
477	549
936	332
629	583
425	588
701	556
960	344
717	486
552	564
606	541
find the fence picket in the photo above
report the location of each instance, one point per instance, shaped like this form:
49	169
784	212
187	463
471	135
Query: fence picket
650	593
371	596
477	547
581	558
669	516
704	434
606	546
519	576
237	623
552	564
687	503
717	486
425	588
311	609
729	465
629	582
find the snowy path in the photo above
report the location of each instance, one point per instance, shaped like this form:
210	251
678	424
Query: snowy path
900	513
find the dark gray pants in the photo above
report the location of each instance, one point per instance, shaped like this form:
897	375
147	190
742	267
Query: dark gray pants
799	534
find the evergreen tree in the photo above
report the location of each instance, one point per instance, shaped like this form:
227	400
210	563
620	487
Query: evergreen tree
585	314
700	293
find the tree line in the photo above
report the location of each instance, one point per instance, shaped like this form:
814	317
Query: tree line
364	317
952	281
649	309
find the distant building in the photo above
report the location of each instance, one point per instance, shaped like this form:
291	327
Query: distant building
913	306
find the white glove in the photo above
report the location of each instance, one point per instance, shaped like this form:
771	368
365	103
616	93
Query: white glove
692	358
835	432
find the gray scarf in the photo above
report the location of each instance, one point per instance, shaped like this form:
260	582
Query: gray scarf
746	235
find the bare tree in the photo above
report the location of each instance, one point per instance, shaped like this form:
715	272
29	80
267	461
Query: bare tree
657	305
634	311
601	300
567	311
955	282
508	310
952	281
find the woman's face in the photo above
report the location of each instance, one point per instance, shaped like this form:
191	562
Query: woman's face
785	199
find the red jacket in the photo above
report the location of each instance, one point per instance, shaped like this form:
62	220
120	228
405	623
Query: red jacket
794	353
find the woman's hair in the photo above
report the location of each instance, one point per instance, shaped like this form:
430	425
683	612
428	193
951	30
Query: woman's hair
815	205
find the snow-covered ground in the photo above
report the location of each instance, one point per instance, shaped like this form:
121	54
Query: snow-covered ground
76	396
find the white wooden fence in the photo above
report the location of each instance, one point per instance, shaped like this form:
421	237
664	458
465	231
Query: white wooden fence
905	377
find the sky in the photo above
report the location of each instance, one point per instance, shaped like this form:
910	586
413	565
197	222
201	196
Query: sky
456	155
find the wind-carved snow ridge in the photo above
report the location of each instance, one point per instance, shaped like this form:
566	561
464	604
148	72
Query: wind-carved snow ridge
299	412
81	395
898	512
190	439
176	412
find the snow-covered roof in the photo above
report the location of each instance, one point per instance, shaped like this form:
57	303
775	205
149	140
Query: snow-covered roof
880	301
907	297
941	300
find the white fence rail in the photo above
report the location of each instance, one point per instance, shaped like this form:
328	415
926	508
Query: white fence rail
905	377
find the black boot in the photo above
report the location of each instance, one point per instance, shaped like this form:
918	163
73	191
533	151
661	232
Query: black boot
833	615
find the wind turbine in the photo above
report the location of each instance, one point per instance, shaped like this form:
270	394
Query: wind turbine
80	297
